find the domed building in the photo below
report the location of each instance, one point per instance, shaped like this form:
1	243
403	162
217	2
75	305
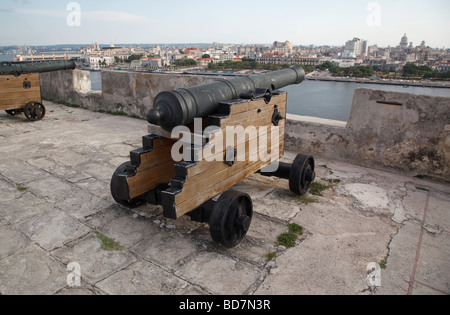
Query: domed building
404	42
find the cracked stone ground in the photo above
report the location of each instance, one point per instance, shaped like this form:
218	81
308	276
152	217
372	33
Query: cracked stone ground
55	202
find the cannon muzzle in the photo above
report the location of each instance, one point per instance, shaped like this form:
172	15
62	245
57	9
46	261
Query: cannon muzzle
16	69
180	107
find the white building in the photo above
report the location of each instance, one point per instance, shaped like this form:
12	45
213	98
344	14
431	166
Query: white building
98	61
152	62
229	56
355	48
283	47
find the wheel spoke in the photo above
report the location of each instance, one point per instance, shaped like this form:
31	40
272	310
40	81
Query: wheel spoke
34	111
231	218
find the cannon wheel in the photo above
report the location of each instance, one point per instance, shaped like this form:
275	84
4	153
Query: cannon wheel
302	174
230	218
115	187
34	111
13	112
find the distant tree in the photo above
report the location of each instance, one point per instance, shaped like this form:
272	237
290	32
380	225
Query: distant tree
412	70
308	68
185	63
206	56
134	57
326	65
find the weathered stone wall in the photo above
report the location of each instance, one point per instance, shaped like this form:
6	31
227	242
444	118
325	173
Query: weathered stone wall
129	92
401	131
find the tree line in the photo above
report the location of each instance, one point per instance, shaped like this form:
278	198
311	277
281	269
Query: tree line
411	70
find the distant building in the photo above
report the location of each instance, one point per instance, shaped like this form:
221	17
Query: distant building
283	59
152	62
404	42
344	63
444	66
355	48
48	57
283	47
111	51
192	51
229	56
204	62
98	61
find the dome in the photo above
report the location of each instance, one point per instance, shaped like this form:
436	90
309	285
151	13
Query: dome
404	42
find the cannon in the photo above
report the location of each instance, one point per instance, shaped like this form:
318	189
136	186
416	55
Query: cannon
180	107
20	89
204	140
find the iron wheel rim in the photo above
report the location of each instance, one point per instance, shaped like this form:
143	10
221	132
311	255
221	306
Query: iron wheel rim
34	111
231	218
302	174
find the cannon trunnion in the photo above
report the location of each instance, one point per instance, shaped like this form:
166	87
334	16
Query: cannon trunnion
241	137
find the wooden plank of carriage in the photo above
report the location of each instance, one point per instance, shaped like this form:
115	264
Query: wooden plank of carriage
13	95
256	115
208	159
219	184
149	179
248	105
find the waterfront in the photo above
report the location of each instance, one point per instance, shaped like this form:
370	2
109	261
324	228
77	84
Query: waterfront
322	99
6	57
333	100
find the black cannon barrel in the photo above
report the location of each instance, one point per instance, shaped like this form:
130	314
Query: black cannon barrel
180	107
8	68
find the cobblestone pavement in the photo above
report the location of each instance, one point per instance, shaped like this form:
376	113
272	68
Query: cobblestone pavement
56	209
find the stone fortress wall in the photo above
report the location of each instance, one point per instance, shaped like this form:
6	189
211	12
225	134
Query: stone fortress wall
404	132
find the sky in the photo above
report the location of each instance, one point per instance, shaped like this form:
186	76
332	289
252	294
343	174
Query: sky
319	22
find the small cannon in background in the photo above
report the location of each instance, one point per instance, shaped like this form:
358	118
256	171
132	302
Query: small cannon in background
210	168
20	89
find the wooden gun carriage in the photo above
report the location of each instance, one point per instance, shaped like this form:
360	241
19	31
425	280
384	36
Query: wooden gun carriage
20	88
211	166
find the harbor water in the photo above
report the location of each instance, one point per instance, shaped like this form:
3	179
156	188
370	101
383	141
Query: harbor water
333	100
324	99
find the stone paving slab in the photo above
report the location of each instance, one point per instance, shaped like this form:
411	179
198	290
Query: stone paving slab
31	271
96	264
55	204
143	278
53	229
218	274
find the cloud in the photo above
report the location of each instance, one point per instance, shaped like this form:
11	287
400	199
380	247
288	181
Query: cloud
7	10
51	13
114	16
107	16
21	1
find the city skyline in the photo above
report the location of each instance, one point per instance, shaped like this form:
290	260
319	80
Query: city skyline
324	22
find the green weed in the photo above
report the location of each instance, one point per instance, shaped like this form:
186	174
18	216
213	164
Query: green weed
108	244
